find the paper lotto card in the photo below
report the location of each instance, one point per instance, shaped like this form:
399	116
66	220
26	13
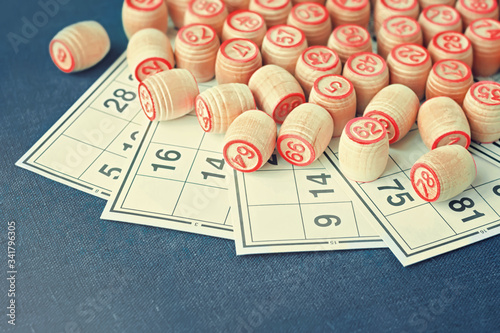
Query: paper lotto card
178	180
414	229
92	143
285	208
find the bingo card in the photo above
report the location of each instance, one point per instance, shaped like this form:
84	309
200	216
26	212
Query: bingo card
285	208
91	144
489	151
414	229
178	179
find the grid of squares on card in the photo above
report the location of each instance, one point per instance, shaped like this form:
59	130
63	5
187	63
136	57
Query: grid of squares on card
91	144
414	229
94	159
178	179
285	208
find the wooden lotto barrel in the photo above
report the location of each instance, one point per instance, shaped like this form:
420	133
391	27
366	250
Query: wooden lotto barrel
313	19
397	30
196	48
369	74
438	18
363	149
274	12
336	95
250	141
138	15
176	9
396	107
219	106
349	39
451	45
484	35
349	12
410	65
305	134
443	173
210	12
168	95
79	46
237	60
282	46
482	108
149	52
471	10
276	91
441	121
314	62
387	8
245	24
450	78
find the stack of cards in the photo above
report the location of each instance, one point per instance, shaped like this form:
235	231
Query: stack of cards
173	175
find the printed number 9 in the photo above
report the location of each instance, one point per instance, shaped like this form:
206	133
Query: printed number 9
328	220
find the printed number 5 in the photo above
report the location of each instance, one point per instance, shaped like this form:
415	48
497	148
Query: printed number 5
110	171
401	196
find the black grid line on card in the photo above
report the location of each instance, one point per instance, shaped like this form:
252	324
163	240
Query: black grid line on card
244	220
117	205
61	131
414	251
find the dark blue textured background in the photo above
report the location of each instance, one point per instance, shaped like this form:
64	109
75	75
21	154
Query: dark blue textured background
77	273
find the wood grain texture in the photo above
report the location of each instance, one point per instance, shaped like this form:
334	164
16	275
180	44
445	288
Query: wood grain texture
482	109
395	107
276	91
485	40
196	48
148	52
218	107
410	65
437	18
441	121
349	12
250	141
79	46
168	95
305	134
337	95
245	24
450	78
363	149
138	15
443	173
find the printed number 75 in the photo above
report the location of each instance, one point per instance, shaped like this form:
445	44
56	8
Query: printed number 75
400	196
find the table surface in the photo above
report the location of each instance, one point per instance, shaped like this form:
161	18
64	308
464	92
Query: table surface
77	273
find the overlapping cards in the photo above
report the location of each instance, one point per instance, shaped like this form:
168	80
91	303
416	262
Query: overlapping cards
173	175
